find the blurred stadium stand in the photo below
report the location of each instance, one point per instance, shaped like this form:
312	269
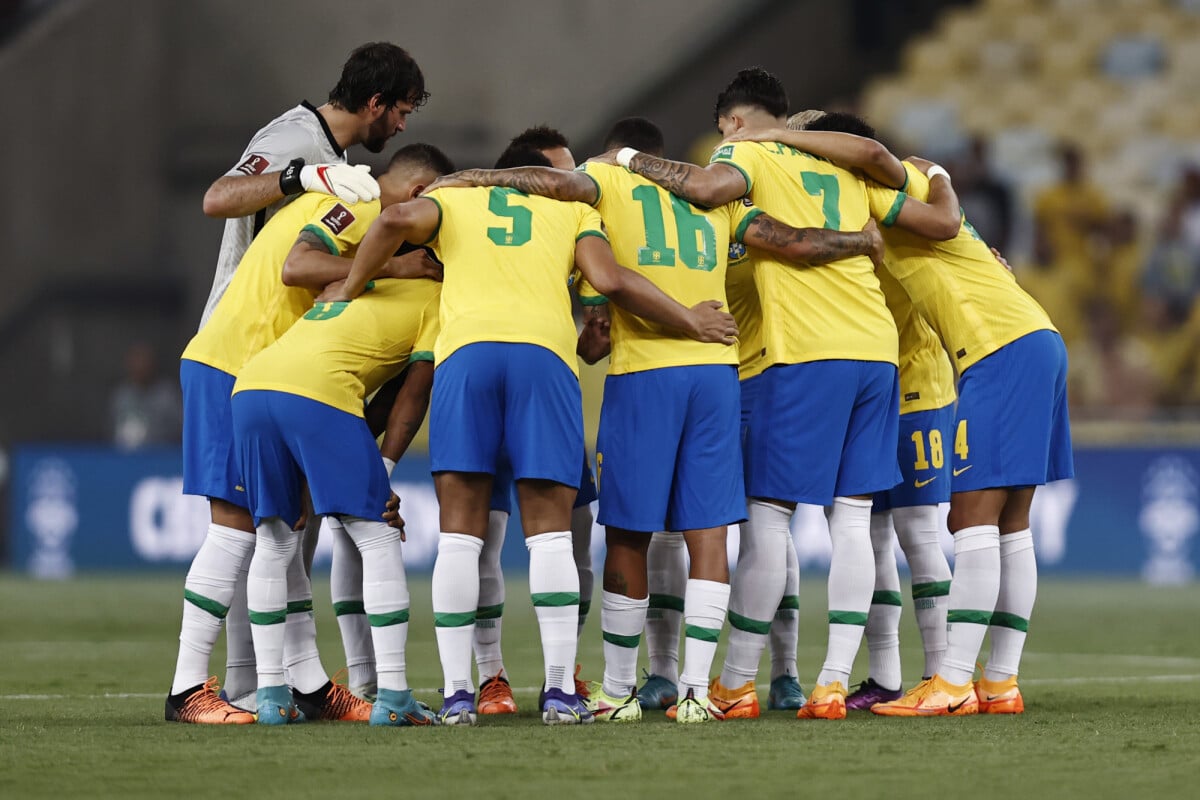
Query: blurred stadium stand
125	110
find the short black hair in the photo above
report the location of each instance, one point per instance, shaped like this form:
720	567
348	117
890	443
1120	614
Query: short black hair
379	68
753	87
842	122
424	155
520	156
540	137
638	133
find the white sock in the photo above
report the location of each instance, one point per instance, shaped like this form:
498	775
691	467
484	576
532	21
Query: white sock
1018	591
918	529
705	604
581	545
275	546
666	573
207	592
973	592
489	616
883	621
756	591
455	598
385	596
346	588
554	587
785	627
300	656
621	621
851	584
241	675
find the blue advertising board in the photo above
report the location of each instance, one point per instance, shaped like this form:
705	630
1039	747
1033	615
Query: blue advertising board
1130	511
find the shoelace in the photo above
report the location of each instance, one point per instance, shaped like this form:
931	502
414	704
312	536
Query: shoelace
339	701
204	700
493	690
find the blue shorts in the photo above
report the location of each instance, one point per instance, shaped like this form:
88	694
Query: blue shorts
283	439
517	400
750	392
210	467
502	487
668	454
924	444
824	429
1012	427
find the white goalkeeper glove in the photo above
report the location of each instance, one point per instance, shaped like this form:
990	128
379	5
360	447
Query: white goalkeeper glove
350	184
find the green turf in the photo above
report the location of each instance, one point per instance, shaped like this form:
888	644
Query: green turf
1111	680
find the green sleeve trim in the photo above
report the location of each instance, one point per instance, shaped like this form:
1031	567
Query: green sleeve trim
437	229
745	223
421	355
591	233
890	218
904	186
599	191
597	300
746	175
329	243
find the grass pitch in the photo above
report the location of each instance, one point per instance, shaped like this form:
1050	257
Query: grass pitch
1111	679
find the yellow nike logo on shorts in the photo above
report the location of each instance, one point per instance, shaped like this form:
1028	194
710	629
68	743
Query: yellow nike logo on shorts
958	472
923	484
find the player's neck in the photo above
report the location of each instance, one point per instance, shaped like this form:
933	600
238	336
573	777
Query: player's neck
344	125
755	121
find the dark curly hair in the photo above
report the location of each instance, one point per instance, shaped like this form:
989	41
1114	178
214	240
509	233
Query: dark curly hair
379	68
753	87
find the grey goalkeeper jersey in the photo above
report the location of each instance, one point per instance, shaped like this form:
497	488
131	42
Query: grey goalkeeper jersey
299	132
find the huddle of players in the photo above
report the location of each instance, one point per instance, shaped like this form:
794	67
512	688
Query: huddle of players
670	453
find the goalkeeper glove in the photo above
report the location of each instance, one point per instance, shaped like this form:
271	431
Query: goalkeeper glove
351	184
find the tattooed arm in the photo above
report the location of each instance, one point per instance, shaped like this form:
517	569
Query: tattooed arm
709	186
310	264
557	184
812	246
843	149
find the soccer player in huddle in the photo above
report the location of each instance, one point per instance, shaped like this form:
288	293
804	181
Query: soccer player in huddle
298	420
304	148
668	452
830	351
295	256
506	383
1011	434
495	691
911	508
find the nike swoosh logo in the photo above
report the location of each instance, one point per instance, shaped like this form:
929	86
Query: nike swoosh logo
952	707
922	484
958	472
992	697
321	174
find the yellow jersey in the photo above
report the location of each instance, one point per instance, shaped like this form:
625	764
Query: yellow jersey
742	296
258	308
339	353
926	377
508	258
834	311
681	249
967	296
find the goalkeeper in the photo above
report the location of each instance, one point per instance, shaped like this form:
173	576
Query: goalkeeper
302	149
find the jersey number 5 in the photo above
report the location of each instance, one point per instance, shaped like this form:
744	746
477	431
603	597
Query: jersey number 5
522	219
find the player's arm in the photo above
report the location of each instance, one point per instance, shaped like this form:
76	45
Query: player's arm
704	322
595	341
309	264
415	221
938	218
241	195
709	186
812	246
843	149
408	410
557	184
